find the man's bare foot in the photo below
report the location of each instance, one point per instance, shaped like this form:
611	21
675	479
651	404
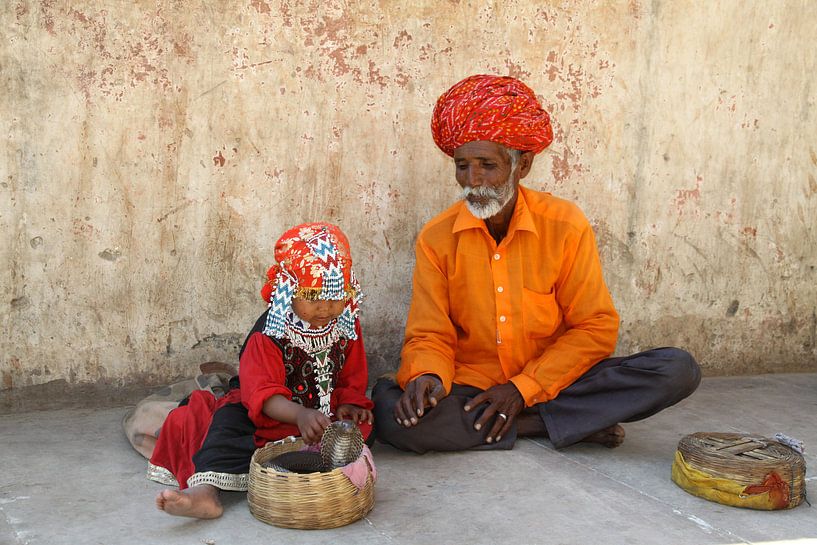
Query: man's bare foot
199	502
611	437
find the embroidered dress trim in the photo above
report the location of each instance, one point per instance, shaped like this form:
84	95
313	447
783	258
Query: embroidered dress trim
236	482
161	475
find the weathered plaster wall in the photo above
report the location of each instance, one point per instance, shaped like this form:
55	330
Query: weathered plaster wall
153	151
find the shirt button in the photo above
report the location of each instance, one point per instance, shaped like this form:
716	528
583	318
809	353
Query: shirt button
500	289
496	257
502	318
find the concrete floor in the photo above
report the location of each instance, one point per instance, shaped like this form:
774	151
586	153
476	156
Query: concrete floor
70	477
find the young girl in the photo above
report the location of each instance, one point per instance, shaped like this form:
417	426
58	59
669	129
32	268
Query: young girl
302	366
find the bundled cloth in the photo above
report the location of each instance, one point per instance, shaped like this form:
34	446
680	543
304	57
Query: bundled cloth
740	470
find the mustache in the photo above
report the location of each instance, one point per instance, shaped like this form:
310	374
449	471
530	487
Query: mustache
482	192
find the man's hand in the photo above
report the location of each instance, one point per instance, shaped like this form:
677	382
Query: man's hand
423	392
504	403
311	423
356	414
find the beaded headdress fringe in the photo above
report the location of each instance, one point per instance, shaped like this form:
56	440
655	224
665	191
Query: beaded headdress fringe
319	294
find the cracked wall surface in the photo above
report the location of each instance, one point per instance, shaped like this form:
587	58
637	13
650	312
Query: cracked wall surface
154	151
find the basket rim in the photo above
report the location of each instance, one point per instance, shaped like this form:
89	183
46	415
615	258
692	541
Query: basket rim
776	451
294	441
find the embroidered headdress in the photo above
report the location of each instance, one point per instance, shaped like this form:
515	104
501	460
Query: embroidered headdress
314	262
501	109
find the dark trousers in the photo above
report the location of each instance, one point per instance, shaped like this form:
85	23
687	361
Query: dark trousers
229	444
621	389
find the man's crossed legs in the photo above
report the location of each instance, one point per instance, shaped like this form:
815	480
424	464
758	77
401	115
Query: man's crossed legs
615	390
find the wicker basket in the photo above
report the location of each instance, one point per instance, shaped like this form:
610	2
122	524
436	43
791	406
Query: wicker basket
308	501
739	470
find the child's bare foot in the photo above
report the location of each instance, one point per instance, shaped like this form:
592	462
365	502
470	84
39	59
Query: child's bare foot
611	437
199	502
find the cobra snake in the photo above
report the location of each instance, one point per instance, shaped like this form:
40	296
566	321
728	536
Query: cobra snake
341	445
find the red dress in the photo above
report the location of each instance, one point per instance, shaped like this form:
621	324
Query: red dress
222	434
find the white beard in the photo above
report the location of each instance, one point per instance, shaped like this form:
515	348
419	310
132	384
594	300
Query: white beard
497	198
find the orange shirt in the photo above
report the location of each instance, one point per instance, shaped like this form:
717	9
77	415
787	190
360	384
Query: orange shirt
533	310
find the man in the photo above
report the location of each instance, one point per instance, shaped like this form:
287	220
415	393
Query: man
510	320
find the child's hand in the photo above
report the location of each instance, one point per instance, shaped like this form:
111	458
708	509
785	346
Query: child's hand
311	423
356	414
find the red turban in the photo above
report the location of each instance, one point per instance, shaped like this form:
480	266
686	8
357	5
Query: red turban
501	109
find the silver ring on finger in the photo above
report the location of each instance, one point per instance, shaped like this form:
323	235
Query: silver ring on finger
503	415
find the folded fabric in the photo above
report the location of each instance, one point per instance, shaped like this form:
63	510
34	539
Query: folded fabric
773	493
358	471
